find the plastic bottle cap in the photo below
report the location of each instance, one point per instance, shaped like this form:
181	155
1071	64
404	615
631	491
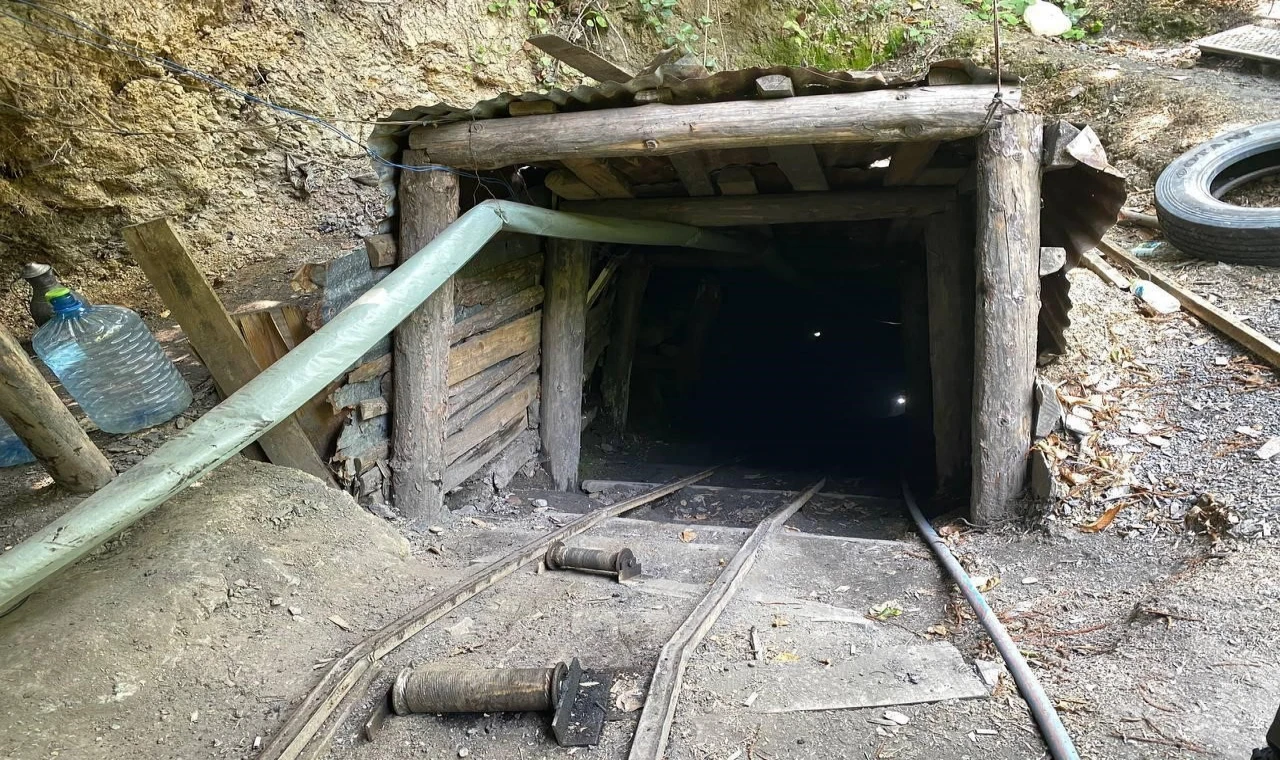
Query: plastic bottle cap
56	293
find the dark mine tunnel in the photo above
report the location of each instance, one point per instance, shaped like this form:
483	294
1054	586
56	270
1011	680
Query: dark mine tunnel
800	361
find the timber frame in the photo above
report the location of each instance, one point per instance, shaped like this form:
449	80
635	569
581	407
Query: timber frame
946	166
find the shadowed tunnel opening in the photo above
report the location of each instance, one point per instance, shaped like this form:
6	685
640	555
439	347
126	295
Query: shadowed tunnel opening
800	362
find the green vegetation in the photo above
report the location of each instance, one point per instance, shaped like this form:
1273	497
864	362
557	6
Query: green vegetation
847	34
1010	13
662	18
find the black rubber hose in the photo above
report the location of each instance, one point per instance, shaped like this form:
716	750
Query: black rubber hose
1051	728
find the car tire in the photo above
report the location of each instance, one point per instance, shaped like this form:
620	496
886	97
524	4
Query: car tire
1194	219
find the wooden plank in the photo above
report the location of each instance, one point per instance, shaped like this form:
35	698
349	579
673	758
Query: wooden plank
579	58
603	279
495	314
564	333
801	165
267	345
370	369
1100	267
566	184
459	419
602	178
775	86
468	391
35	413
306	719
650	741
499	282
429	203
691	168
789	208
615	385
485	350
949	249
503	248
883	116
164	257
1248	338
373	407
908	162
473	461
381	249
736	180
1006	312
492	419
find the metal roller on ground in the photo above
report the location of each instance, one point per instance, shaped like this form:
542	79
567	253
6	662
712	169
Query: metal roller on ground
576	697
1189	193
621	564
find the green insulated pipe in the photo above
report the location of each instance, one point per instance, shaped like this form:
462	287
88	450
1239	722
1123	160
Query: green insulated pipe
305	371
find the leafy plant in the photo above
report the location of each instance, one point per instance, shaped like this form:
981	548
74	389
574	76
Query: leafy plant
1010	14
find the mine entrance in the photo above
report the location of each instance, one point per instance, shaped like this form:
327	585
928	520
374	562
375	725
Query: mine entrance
800	360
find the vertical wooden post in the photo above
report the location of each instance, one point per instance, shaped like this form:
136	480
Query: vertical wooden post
564	333
1008	301
428	204
949	249
39	418
615	385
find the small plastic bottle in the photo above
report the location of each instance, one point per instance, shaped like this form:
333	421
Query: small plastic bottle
12	450
111	364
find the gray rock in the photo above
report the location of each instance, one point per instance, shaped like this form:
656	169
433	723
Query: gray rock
1048	409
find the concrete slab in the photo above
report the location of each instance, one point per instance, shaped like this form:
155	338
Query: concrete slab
1256	42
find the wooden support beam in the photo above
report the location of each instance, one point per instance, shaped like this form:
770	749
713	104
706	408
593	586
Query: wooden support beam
429	202
268	343
579	58
908	162
603	279
1007	307
615	384
706	305
1248	338
566	184
475	389
564	332
52	435
602	178
164	257
914	115
801	165
692	170
736	180
949	247
790	208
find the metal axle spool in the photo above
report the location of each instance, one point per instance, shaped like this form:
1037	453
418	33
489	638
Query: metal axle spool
621	563
436	689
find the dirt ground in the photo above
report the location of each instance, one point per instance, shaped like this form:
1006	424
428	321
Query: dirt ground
1146	597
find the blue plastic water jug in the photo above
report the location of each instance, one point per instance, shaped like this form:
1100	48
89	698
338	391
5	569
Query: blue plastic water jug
12	450
111	364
